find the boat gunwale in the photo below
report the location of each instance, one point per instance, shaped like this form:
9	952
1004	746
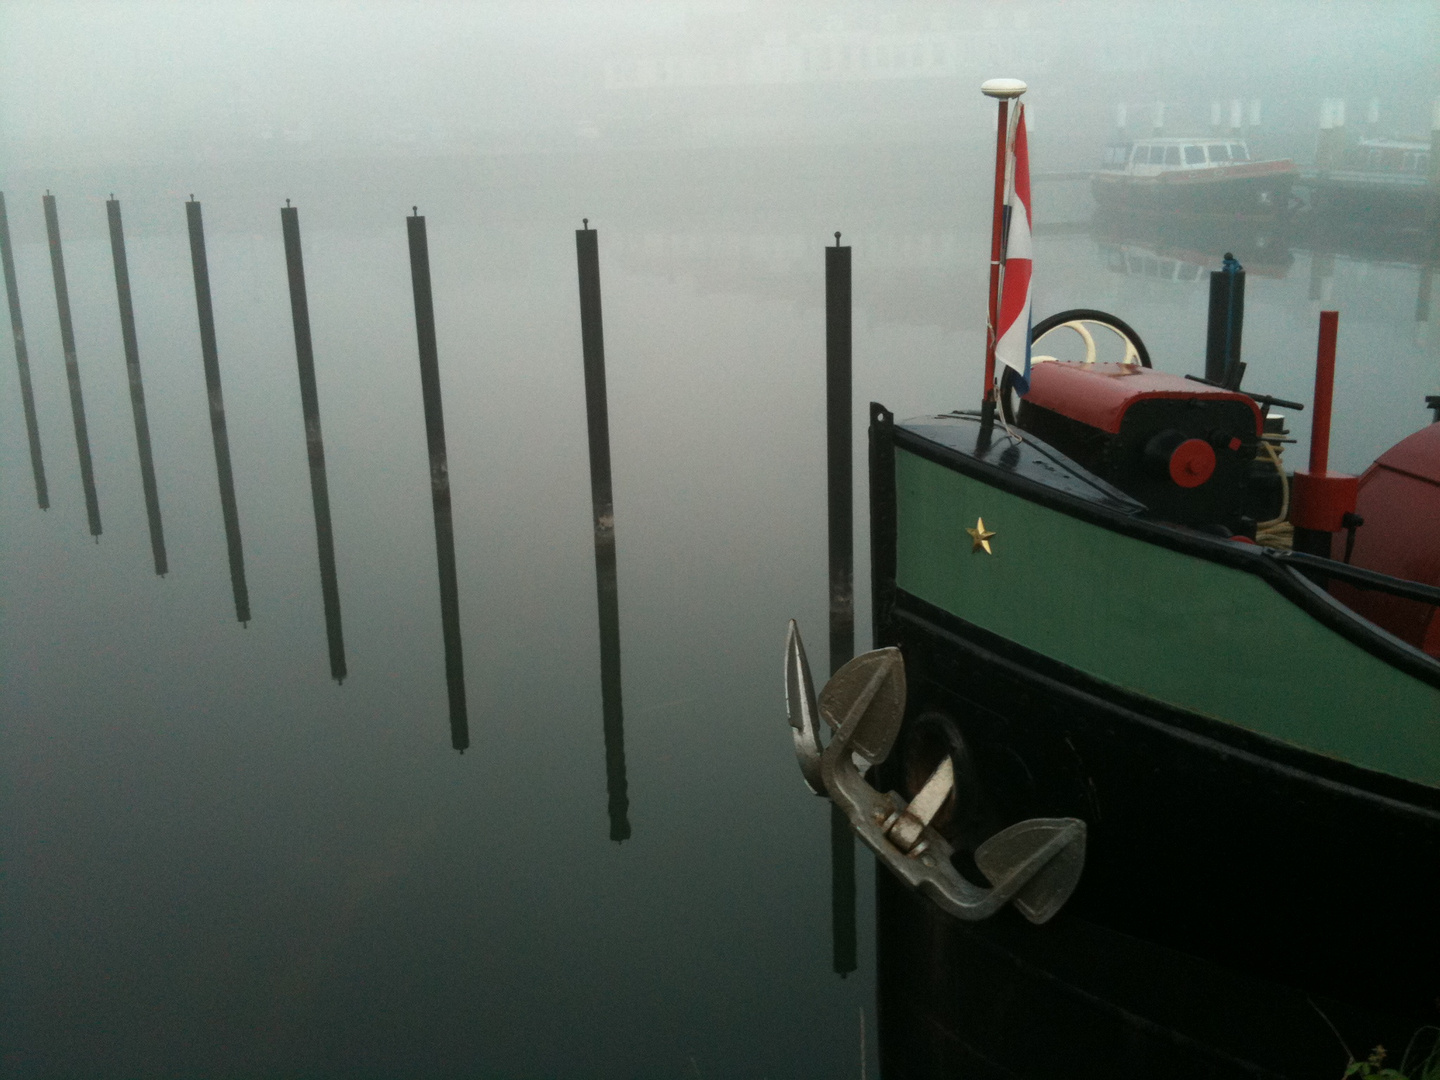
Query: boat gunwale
1342	777
1267	564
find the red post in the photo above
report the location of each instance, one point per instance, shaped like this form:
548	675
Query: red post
1321	501
1324	393
992	315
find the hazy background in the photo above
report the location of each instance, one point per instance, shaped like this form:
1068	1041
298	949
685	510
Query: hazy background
217	862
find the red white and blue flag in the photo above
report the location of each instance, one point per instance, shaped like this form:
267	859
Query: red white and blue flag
1012	343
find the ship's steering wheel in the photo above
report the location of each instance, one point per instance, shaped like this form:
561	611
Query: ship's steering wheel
1079	320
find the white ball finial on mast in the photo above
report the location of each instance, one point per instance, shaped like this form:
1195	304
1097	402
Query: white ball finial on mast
1003	88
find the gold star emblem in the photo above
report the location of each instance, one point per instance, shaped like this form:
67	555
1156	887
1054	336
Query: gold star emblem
980	537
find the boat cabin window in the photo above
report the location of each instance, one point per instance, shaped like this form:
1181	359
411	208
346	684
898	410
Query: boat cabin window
1239	152
1194	155
1219	154
1172	155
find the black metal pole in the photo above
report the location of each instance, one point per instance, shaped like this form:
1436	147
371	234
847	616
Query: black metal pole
72	365
592	341
602	501
314	442
210	355
439	479
1226	322
137	386
839	470
22	360
840	477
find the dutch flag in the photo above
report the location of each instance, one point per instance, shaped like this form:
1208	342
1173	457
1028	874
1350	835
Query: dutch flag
1012	345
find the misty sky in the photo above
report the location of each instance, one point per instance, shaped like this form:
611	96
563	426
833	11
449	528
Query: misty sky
87	80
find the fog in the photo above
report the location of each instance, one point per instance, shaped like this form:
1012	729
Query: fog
220	862
90	84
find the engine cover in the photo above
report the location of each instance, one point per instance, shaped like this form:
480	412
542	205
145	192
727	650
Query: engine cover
1181	447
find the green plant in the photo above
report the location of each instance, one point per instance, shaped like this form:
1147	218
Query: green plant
1425	1063
1373	1066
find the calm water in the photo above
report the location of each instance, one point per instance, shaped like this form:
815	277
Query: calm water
220	862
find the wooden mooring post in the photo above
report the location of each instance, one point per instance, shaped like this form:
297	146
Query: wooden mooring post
210	357
439	478
137	386
602	500
22	360
72	365
314	441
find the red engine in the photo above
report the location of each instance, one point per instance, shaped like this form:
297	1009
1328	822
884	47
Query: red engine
1183	448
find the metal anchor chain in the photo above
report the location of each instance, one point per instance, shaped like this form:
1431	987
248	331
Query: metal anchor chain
1034	864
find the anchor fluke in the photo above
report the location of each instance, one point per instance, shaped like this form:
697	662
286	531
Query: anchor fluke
869	691
1056	844
800	706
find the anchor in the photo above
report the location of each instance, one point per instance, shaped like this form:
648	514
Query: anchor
1034	864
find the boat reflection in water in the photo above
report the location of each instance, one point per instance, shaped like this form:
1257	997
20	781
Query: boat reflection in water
1178	249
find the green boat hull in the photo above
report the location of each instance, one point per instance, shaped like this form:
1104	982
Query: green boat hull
1188	632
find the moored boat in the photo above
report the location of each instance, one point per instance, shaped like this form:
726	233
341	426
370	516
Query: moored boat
1391	181
1203	177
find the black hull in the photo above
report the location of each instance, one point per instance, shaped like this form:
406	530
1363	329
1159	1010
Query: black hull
1071	999
1203	838
1265	197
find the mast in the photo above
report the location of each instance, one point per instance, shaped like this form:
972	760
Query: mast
1003	90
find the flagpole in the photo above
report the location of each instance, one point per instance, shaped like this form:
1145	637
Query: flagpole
1003	90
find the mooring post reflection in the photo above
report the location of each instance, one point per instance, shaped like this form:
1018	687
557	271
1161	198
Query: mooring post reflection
612	705
137	387
439	478
840	487
1322	275
72	365
314	443
597	420
210	355
22	360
